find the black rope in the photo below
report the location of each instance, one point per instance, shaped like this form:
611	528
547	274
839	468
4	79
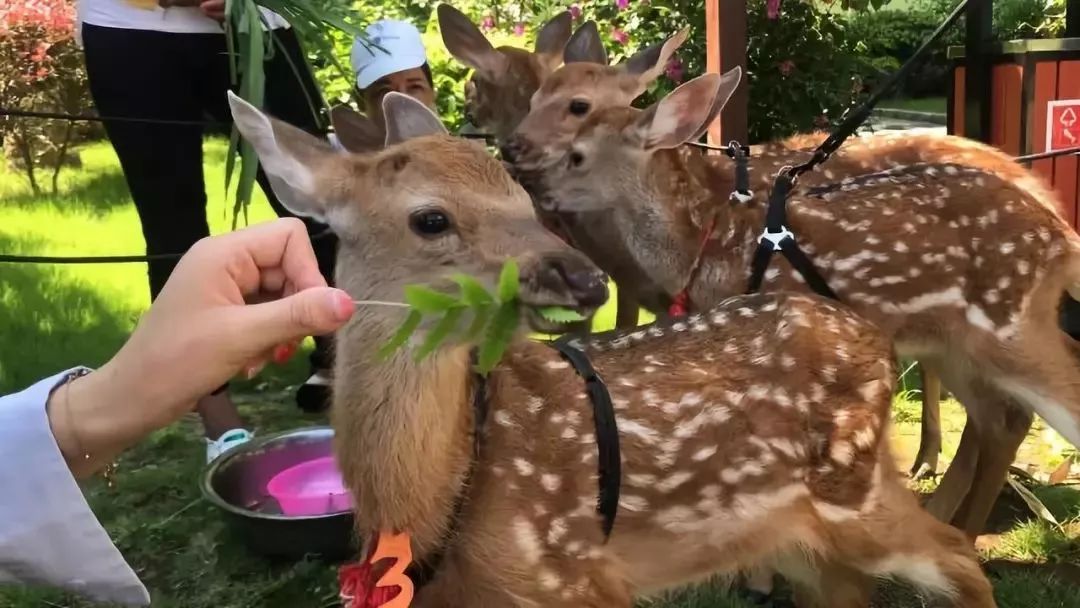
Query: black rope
109	259
855	119
1044	155
777	236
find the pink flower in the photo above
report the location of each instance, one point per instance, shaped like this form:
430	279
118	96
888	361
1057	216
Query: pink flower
620	36
575	11
488	23
622	4
786	67
674	70
519	29
772	9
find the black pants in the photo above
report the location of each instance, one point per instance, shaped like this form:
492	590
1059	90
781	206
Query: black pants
158	75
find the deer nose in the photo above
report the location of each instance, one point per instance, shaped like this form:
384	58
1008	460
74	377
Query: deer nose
586	284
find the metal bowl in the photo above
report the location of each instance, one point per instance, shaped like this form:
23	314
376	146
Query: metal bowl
236	484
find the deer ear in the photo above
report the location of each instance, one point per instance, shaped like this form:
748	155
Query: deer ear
647	65
552	38
686	113
407	118
468	45
287	155
357	133
585	46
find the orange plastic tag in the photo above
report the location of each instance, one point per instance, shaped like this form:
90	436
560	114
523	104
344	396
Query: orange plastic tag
395	547
146	5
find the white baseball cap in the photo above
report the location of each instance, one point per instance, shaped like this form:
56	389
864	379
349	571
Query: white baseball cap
392	46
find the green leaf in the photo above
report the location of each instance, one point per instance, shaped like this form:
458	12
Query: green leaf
402	335
439	333
481	318
1037	507
560	314
508	281
427	300
498	337
472	292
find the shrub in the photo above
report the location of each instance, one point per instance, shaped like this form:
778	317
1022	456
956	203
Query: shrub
41	68
788	93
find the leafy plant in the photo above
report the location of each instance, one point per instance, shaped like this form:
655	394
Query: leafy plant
494	317
41	67
250	47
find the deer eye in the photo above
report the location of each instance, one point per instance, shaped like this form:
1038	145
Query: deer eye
579	107
429	222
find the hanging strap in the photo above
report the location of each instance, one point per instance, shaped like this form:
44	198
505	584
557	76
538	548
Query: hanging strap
609	461
777	237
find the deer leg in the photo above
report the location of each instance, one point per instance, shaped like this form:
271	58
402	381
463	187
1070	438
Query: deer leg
958	478
998	445
895	538
926	461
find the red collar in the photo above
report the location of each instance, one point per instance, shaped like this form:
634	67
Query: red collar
680	306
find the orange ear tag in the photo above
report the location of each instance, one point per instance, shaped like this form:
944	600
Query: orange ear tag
357	581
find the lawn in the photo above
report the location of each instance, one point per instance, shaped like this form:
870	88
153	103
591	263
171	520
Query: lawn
53	317
933	105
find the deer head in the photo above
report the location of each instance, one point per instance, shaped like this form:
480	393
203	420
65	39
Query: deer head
428	206
606	163
497	95
585	84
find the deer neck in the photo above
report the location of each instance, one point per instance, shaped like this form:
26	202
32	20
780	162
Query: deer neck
683	191
403	429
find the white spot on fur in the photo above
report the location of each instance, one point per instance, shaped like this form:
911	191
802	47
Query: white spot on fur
704	453
527	540
550	482
919	570
634	503
641	480
674	481
524	467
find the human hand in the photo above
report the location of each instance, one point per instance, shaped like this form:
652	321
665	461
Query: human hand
230	301
215	9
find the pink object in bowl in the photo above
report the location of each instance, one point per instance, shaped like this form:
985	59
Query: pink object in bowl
314	487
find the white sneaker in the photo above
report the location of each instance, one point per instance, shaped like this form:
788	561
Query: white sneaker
227	441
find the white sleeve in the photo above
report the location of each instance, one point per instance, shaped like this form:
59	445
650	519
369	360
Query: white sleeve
48	534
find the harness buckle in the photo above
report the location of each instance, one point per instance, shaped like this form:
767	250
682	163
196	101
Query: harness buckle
776	237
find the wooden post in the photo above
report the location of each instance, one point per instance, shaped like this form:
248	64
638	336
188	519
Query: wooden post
725	48
977	69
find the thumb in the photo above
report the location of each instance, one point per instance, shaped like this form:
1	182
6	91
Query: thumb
311	312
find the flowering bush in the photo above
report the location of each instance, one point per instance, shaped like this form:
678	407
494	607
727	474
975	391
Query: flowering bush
789	92
41	68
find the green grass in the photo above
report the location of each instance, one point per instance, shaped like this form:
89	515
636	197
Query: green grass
54	317
935	105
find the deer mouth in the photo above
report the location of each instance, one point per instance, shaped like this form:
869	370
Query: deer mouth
556	319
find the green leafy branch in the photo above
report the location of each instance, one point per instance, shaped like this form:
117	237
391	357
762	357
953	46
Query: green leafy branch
250	45
473	316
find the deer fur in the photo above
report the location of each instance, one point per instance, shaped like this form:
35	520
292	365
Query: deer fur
715	451
963	266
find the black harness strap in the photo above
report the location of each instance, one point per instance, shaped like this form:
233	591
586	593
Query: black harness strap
607	442
777	237
609	458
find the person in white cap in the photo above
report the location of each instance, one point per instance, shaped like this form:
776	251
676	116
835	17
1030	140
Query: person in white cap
392	59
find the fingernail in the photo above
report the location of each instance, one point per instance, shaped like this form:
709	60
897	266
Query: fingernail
284	352
253	371
342	305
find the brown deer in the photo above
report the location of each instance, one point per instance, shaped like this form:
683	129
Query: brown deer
963	266
723	433
497	99
585	84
